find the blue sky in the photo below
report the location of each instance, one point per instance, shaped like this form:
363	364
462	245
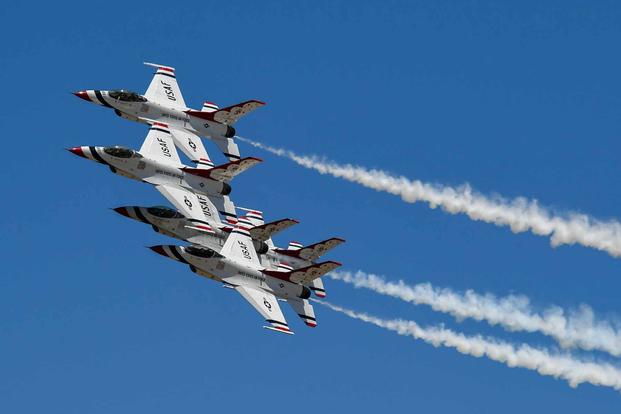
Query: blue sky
517	98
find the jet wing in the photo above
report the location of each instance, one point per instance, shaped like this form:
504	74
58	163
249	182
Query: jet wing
192	146
267	230
200	211
159	145
267	305
163	88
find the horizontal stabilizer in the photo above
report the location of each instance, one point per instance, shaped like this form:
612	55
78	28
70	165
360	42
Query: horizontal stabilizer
305	311
267	230
304	275
314	251
225	172
317	287
230	114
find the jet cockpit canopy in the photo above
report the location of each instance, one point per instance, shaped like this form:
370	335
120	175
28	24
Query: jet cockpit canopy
121	152
164	212
126	96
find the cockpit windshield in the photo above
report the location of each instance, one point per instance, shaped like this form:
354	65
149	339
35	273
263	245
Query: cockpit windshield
120	152
164	212
200	252
126	96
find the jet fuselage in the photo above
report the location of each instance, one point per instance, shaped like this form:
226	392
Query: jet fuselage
134	107
210	264
132	164
172	223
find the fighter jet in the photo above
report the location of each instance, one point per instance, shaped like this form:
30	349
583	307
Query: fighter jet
157	162
163	102
206	230
237	266
199	229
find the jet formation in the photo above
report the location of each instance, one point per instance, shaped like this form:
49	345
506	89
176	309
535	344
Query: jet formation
236	250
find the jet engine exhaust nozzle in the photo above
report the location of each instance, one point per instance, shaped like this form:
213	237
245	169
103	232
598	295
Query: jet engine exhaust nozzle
226	189
306	293
230	132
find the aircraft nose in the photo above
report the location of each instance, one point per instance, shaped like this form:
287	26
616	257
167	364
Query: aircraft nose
122	211
77	151
82	95
158	250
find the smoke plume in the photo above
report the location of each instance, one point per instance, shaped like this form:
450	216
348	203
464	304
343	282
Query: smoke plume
563	366
571	329
519	214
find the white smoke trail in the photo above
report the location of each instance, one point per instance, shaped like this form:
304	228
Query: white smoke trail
563	366
520	214
576	329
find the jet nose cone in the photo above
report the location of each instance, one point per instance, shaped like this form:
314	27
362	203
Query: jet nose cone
122	211
158	250
82	95
77	151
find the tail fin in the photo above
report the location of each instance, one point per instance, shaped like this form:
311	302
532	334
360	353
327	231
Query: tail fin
225	172
306	274
293	245
311	252
230	114
239	247
209	107
226	208
255	216
228	147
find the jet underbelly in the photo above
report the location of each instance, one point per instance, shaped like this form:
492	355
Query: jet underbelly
159	174
166	115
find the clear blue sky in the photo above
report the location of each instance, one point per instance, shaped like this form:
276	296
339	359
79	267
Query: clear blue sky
518	98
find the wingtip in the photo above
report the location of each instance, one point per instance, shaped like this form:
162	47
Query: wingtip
281	330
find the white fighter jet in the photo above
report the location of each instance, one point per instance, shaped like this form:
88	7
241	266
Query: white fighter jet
199	228
237	266
193	225
163	102
157	162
